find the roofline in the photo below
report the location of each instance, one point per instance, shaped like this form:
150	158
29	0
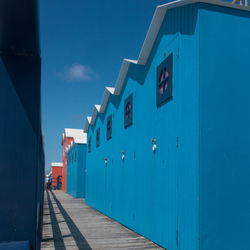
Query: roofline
122	75
146	49
56	164
87	122
64	133
94	114
107	92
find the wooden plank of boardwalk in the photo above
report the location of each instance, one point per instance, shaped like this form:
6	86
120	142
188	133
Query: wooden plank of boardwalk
71	224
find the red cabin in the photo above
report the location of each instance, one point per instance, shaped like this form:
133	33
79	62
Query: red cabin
56	177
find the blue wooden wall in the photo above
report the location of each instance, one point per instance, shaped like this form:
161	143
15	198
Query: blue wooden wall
22	156
22	153
155	194
224	129
76	171
165	195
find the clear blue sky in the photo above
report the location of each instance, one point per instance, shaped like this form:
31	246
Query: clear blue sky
83	43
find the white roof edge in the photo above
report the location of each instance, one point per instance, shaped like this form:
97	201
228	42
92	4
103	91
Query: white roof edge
110	89
87	122
130	60
89	119
95	112
72	132
148	43
214	2
97	106
56	164
81	140
152	34
107	92
122	74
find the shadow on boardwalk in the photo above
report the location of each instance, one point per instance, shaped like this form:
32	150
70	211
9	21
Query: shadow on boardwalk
69	223
58	238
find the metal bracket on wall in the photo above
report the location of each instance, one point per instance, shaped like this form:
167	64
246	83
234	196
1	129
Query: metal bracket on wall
153	141
123	155
106	161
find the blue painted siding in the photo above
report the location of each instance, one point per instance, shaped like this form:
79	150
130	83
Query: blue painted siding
192	192
155	194
22	157
76	171
224	129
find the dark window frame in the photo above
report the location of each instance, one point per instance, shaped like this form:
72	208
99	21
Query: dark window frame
89	144
128	111
109	128
164	81
98	137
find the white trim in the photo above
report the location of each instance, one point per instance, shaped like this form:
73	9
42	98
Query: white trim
122	75
107	92
94	114
152	34
87	122
56	164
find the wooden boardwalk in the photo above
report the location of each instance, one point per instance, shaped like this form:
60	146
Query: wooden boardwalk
71	224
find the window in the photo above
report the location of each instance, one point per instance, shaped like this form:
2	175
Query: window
89	144
164	80
128	111
109	127
98	137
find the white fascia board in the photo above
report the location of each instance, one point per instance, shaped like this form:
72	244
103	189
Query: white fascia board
87	122
110	89
56	164
122	75
71	132
89	119
152	34
107	92
81	140
95	112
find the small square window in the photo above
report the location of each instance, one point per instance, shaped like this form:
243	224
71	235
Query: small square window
164	80
89	144
98	137
109	127
128	111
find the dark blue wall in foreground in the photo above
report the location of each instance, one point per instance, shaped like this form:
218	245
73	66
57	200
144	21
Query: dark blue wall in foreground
22	154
